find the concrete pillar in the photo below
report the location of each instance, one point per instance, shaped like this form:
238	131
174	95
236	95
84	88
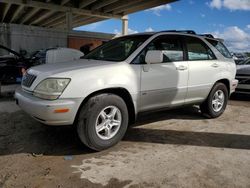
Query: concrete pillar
69	21
125	25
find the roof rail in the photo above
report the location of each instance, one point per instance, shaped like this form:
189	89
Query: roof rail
181	31
192	32
207	35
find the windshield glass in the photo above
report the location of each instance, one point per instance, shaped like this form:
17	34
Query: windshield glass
117	49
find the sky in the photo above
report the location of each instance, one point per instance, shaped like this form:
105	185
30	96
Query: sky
226	19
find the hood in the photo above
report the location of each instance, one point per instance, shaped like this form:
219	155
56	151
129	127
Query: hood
55	68
243	69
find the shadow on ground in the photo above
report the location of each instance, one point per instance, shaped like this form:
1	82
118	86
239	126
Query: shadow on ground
240	97
21	134
205	139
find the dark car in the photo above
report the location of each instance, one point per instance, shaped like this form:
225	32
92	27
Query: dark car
239	57
243	75
12	66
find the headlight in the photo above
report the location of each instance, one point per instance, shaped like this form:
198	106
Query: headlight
51	88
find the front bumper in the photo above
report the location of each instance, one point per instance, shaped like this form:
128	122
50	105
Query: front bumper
44	110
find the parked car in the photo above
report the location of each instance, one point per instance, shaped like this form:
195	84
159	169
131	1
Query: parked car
12	66
243	75
56	55
239	57
104	91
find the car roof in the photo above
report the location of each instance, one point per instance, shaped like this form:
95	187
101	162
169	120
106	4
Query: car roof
180	32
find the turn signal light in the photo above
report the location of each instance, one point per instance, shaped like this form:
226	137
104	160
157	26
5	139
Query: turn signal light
61	110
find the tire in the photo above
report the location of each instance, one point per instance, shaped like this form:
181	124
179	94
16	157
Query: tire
212	109
97	127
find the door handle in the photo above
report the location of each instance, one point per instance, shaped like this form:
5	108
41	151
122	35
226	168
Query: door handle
215	65
181	68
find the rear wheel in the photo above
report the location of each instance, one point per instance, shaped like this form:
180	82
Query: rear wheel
216	101
102	121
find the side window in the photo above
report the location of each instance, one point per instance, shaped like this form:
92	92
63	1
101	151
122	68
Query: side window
198	50
170	45
220	47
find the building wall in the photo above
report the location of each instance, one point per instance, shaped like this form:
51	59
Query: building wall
77	42
30	38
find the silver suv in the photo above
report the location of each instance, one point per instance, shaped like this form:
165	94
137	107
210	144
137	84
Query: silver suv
103	92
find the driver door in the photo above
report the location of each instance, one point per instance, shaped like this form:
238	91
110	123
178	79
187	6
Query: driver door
165	83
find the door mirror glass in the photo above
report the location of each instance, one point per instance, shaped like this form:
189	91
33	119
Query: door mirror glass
154	56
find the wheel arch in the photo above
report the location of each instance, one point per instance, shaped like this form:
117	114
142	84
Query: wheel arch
226	82
121	92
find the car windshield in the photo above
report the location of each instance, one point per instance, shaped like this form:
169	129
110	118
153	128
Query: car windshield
117	49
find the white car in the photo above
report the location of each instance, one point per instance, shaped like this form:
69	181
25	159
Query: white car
56	55
103	92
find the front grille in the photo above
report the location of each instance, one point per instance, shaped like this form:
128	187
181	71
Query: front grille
28	80
243	90
243	80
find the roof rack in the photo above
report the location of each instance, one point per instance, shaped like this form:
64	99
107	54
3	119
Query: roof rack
193	33
181	31
207	35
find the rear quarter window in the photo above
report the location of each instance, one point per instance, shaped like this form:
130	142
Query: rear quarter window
220	47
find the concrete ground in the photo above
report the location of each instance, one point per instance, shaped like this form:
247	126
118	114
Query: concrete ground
178	148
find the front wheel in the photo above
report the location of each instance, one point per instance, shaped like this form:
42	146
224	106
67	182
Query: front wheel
216	101
102	121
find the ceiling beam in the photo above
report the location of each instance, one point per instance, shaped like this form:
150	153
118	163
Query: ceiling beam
77	21
44	16
101	4
6	9
55	18
56	23
139	7
63	2
85	3
29	15
119	5
16	13
59	22
86	22
60	8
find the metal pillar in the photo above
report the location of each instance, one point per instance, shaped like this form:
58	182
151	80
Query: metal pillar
69	21
125	25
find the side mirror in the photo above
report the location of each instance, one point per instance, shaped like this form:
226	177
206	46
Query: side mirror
154	56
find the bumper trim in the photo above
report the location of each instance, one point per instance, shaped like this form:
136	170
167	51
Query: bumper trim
43	110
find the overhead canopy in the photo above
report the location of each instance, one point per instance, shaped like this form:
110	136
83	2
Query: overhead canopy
61	13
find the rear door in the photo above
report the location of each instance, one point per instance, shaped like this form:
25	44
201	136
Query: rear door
204	69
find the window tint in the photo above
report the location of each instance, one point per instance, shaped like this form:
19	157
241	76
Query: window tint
170	45
117	49
220	47
198	50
